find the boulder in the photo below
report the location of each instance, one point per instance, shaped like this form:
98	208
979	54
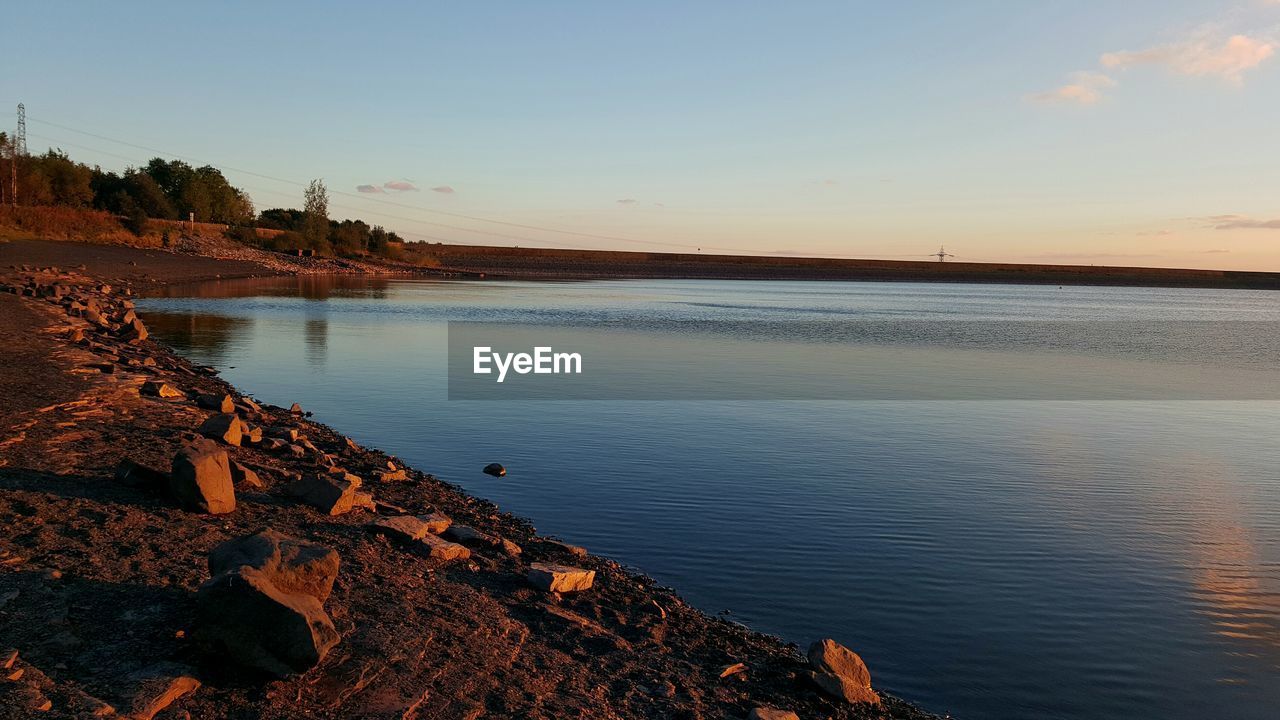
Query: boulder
159	389
201	479
223	426
437	549
560	578
293	566
241	474
252	434
393	475
330	494
258	624
217	401
840	672
768	713
495	470
295	409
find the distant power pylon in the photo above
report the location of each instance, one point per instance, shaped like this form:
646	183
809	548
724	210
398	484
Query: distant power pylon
20	137
17	149
942	254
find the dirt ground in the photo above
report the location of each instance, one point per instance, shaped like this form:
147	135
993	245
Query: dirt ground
98	577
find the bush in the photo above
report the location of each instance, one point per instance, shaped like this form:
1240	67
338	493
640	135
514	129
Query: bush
243	234
135	220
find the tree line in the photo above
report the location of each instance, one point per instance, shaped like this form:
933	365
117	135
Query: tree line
174	190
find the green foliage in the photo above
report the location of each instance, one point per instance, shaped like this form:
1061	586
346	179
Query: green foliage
135	218
281	219
315	220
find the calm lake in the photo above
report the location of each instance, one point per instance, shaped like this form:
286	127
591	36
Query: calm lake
1062	555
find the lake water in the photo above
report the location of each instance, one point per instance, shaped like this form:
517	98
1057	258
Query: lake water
1070	556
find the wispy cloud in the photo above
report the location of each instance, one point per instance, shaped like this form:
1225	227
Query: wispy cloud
369	189
400	186
445	189
627	201
1199	56
1082	88
1241	222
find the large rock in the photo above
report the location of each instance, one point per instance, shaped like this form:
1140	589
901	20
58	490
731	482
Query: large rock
201	479
840	672
223	426
264	604
330	494
495	469
293	565
560	578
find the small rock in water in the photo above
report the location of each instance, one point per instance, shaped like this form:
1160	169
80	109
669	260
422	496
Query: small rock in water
560	578
495	470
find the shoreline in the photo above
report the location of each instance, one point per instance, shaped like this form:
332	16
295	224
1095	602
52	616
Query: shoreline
419	637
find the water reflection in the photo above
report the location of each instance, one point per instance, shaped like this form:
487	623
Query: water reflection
316	337
308	287
204	335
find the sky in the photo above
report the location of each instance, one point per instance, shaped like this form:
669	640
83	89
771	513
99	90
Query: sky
1137	133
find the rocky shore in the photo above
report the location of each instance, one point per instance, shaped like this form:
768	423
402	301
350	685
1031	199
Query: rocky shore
172	548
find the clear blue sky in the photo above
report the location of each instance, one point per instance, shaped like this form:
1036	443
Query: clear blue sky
1142	132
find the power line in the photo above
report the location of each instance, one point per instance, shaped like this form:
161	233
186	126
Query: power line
383	201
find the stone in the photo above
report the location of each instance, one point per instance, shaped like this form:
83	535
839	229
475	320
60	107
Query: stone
574	550
258	624
364	501
223	426
495	470
291	565
840	672
436	522
252	434
274	444
241	474
437	549
297	451
295	409
768	713
471	537
560	578
329	494
201	479
217	401
134	474
159	389
157	686
287	433
76	335
393	476
136	331
405	528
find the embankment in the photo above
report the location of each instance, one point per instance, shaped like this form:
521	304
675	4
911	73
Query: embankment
100	569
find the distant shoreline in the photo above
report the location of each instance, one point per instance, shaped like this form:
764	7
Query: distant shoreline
532	263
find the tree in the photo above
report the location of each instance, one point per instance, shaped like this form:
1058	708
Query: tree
315	223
